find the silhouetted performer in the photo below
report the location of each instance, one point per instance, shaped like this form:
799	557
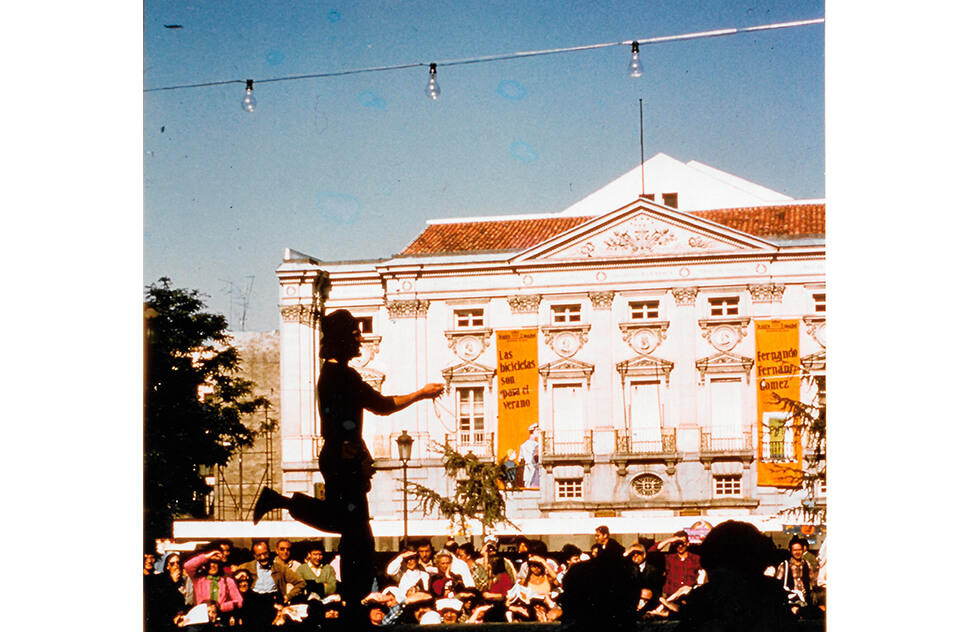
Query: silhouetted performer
345	462
737	596
600	593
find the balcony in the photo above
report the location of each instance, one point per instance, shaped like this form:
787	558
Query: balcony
478	442
643	447
566	447
724	444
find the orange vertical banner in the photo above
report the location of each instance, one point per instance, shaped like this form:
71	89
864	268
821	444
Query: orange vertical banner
517	353
778	367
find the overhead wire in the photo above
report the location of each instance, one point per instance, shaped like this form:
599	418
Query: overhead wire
503	56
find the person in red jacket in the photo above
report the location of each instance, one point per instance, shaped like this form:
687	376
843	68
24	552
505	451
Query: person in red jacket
682	566
209	582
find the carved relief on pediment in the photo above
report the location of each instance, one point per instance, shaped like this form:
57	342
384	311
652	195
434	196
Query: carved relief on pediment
639	236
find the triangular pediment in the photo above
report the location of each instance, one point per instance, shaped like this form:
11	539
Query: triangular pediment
725	363
567	368
468	372
643	229
645	366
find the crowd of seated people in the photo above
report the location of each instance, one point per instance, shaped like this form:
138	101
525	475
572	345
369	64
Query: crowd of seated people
298	584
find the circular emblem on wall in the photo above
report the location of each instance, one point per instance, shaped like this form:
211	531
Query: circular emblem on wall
820	334
566	344
291	291
761	268
527	280
724	338
646	485
685	272
468	348
600	276
406	285
644	341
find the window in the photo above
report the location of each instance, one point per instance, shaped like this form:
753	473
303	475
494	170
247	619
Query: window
724	306
465	318
566	313
366	324
726	414
645	416
646	485
569	418
644	310
670	199
777	437
727	484
471	416
569	489
819	302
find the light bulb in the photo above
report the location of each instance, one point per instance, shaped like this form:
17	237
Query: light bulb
432	89
249	102
635	69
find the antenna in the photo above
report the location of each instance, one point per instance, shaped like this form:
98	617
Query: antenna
245	302
643	183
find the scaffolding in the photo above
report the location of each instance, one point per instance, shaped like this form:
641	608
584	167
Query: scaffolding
237	484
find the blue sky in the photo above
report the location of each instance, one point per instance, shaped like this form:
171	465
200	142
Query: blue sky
351	167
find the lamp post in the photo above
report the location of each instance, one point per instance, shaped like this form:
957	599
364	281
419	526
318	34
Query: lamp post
404	443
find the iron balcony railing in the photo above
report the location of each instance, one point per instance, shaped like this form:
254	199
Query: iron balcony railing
478	442
567	443
726	441
660	441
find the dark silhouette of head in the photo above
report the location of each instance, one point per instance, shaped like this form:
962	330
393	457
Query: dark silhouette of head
736	546
340	336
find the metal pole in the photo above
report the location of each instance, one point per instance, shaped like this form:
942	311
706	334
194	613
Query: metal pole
405	495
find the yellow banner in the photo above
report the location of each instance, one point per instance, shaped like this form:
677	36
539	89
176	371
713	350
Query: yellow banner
778	369
517	353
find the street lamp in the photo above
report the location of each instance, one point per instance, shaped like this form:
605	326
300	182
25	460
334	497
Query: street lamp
404	443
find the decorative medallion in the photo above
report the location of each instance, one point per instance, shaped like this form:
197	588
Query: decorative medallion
566	340
644	341
469	347
647	485
566	344
724	337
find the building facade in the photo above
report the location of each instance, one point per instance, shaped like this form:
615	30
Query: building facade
647	311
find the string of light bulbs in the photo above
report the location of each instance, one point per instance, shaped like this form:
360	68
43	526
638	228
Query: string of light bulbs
433	89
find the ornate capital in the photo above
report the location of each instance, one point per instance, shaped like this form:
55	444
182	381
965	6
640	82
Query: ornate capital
413	308
768	293
685	295
602	300
303	314
528	303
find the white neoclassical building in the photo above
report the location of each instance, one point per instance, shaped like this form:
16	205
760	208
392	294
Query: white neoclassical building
647	301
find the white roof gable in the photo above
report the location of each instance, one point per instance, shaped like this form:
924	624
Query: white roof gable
698	187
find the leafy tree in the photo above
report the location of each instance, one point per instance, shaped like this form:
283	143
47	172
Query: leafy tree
194	404
477	495
808	420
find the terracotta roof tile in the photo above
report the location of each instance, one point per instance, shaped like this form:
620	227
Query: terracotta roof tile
789	220
479	236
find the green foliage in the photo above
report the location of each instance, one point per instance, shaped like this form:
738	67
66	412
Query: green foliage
187	349
808	420
477	492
